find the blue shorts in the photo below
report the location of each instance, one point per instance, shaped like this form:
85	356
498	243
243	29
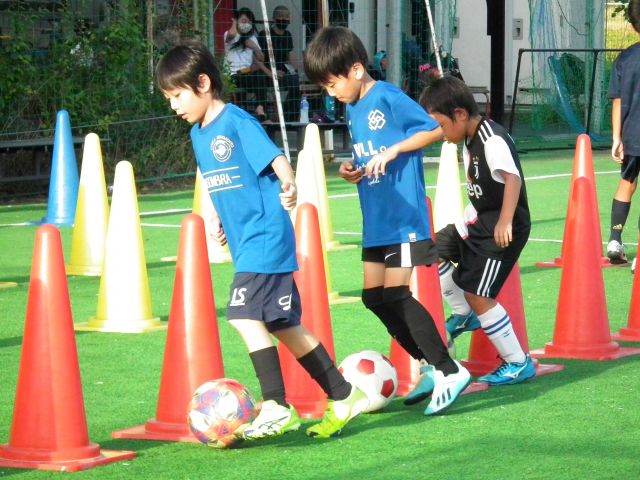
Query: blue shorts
410	254
630	168
269	297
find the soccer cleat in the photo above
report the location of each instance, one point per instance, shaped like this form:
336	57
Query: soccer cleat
447	389
423	388
457	324
338	414
615	252
273	420
511	373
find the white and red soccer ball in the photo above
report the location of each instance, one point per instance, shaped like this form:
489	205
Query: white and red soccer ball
372	373
217	409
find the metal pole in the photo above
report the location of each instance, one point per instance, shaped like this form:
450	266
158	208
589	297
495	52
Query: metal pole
515	92
394	42
274	77
436	47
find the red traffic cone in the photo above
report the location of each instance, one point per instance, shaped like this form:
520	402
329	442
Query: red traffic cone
631	333
582	325
582	168
483	356
49	429
192	353
425	286
302	391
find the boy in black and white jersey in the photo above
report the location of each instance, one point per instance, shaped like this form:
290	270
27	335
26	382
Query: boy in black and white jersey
486	244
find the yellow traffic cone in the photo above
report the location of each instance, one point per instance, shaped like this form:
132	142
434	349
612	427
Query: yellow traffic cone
448	205
308	192
203	206
124	301
313	147
92	213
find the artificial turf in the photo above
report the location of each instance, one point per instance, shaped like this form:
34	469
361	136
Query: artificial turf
580	423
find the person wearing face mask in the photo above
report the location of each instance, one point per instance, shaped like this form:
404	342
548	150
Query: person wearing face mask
244	58
285	59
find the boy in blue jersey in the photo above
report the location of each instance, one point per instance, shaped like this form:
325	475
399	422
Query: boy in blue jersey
487	244
245	173
388	131
624	86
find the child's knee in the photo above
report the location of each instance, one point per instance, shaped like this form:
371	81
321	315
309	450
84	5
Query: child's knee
372	297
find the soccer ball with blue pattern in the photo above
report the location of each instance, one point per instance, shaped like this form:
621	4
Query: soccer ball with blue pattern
217	409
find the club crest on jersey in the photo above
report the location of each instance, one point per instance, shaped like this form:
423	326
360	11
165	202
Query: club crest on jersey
476	172
221	147
376	120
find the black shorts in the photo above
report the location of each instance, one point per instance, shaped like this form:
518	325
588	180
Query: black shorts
410	254
477	273
630	168
272	298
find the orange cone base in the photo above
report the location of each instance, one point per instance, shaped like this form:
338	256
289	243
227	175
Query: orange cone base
140	326
85	270
475	387
336	299
159	431
627	335
604	263
608	351
34	459
308	408
8	284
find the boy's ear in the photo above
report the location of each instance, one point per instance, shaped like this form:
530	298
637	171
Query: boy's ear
358	71
461	115
204	83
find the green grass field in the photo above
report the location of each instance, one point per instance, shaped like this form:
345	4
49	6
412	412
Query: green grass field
580	423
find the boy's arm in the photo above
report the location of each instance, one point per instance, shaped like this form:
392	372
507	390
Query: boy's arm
377	165
289	194
502	233
217	232
617	149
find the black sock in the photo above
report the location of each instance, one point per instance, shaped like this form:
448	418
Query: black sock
319	365
266	363
619	214
422	327
373	299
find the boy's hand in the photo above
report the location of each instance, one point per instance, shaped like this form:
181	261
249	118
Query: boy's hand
502	234
378	164
349	173
289	196
617	151
217	232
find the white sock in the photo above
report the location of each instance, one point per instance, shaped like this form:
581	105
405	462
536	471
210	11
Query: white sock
498	327
452	293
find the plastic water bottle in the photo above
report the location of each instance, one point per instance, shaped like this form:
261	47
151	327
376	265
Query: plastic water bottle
304	110
330	107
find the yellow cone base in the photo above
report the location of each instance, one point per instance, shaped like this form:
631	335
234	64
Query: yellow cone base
105	458
126	326
141	433
336	299
84	270
8	284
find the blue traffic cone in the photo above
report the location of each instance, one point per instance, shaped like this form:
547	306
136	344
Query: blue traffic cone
63	183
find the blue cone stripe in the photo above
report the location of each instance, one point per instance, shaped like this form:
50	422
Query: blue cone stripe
499	325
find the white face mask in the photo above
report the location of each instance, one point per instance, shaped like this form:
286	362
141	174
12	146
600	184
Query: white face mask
244	27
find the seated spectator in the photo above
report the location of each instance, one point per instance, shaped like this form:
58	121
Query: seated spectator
285	60
244	58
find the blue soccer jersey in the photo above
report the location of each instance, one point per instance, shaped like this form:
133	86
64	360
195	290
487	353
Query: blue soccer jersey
234	155
393	207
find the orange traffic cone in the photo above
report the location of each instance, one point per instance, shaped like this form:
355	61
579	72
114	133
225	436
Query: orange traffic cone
425	287
49	429
302	391
192	354
631	333
582	325
483	356
582	168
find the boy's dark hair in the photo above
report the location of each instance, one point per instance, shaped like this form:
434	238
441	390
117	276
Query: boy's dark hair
447	93
634	14
333	51
181	66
